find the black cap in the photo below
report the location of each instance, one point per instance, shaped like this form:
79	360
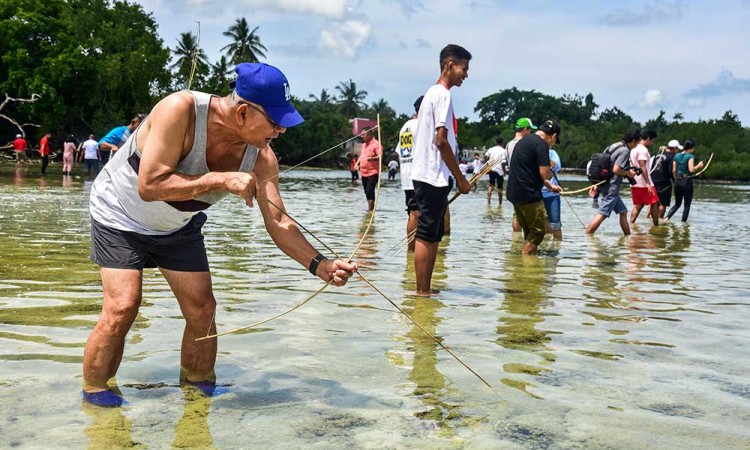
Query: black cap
418	103
688	144
550	127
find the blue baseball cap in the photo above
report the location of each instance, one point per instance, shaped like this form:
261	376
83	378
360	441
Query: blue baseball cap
266	86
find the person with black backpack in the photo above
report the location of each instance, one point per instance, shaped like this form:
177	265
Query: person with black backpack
661	174
612	165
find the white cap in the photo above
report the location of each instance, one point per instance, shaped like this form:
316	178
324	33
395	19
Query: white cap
674	143
18	136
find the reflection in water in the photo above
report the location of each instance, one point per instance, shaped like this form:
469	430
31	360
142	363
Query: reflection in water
675	244
526	293
430	385
640	253
50	295
109	427
192	430
599	275
367	252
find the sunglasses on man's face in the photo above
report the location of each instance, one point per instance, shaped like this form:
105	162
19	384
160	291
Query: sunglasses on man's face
263	113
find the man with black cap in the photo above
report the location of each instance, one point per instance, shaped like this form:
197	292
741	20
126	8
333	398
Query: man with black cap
530	171
146	206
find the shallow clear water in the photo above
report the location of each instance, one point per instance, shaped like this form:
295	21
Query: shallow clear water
600	342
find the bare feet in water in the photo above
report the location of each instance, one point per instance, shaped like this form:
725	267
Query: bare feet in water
427	293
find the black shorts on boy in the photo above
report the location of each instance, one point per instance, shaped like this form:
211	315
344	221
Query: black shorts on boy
432	202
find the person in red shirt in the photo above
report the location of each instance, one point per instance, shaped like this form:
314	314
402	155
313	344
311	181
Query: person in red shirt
44	151
20	145
353	168
369	166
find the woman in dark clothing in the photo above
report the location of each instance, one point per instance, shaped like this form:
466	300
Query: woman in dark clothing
683	167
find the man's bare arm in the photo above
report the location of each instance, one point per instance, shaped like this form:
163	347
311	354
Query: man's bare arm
161	140
446	152
283	230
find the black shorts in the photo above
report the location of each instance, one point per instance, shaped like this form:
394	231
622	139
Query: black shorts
411	201
432	202
182	250
369	184
664	192
496	179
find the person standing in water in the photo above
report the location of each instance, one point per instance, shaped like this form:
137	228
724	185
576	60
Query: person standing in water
435	161
683	168
369	166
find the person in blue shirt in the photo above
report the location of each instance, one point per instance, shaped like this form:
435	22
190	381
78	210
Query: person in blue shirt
552	198
116	137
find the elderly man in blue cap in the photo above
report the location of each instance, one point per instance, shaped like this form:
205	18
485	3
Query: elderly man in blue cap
146	208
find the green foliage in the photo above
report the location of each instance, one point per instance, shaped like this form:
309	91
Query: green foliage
185	54
98	62
324	127
352	100
245	45
583	134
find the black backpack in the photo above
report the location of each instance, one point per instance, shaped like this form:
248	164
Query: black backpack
600	167
659	166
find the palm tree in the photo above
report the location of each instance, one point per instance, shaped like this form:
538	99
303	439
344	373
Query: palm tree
219	73
245	45
324	99
384	109
186	50
677	117
351	99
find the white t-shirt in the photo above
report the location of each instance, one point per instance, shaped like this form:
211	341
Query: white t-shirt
404	150
89	149
477	164
464	168
392	165
509	150
436	111
498	153
640	153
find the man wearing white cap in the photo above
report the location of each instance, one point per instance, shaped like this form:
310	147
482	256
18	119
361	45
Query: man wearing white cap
661	174
146	209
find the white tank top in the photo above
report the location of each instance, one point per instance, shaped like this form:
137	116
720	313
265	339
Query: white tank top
115	201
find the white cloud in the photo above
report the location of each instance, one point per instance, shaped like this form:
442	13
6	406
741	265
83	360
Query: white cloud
657	12
335	9
652	98
327	8
724	84
345	38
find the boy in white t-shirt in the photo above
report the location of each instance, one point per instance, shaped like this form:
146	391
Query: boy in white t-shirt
434	161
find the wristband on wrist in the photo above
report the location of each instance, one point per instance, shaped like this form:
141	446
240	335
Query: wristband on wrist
313	267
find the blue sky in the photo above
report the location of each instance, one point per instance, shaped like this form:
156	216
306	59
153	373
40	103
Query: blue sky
682	56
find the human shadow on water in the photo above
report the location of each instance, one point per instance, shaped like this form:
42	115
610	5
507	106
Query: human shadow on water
192	430
420	355
110	428
526	293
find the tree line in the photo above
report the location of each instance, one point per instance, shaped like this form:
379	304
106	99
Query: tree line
96	63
